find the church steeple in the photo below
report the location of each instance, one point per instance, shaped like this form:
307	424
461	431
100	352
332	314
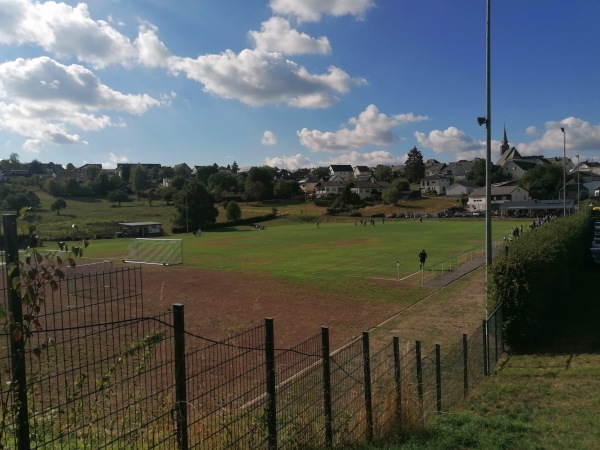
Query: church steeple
504	147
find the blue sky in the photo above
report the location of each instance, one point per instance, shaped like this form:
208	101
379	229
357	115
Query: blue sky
294	83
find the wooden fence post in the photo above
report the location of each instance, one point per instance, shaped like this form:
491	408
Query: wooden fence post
271	384
465	341
367	380
17	347
438	378
398	378
419	372
327	406
181	416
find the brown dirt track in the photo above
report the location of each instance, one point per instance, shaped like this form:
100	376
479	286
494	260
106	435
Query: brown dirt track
218	304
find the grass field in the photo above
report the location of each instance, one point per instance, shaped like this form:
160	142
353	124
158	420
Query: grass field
98	216
339	257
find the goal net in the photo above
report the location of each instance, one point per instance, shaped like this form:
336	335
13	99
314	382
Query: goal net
166	252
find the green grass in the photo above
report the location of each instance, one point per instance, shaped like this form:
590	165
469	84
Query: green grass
340	257
549	400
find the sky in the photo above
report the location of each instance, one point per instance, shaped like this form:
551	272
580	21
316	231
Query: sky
295	83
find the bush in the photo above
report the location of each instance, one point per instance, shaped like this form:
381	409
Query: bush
533	281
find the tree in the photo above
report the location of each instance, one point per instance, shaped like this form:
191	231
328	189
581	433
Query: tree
477	174
414	167
167	194
285	189
234	167
102	184
139	179
383	173
221	182
195	206
233	211
36	167
392	193
322	173
57	205
72	187
259	183
542	180
53	187
118	196
203	173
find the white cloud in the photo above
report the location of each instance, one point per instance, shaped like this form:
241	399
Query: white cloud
257	78
276	35
531	131
113	160
370	128
455	144
295	162
370	159
313	10
65	31
41	98
269	138
151	51
581	137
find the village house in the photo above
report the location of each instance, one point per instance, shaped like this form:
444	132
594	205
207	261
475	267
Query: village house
500	194
434	184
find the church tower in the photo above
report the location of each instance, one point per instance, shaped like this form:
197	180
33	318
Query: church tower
504	147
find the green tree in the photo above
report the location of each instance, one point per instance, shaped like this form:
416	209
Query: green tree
392	193
383	173
102	184
478	170
195	206
542	180
259	183
167	194
414	167
53	187
57	205
322	173
118	196
139	179
203	173
285	189
234	167
233	211
72	187
222	182
36	167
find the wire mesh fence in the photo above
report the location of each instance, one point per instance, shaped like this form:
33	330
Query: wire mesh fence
108	377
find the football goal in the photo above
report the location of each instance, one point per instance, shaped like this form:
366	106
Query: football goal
166	252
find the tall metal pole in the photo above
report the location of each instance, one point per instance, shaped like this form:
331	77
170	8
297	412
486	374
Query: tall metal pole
488	155
577	183
564	172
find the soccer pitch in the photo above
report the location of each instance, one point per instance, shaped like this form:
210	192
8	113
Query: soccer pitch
330	253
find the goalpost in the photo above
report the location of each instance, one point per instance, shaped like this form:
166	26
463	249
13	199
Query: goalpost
166	252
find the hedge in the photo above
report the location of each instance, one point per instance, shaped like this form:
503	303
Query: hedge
534	279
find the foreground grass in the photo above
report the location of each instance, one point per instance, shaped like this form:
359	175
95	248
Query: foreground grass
549	400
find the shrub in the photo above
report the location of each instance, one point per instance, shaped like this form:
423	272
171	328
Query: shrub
534	279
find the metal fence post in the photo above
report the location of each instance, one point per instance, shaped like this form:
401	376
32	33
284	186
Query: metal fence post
485	348
271	384
327	407
17	347
181	416
398	378
438	378
367	375
465	341
419	371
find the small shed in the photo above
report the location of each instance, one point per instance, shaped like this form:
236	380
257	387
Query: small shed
141	229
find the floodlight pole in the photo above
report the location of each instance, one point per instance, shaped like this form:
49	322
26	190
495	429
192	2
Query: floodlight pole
488	152
564	172
577	183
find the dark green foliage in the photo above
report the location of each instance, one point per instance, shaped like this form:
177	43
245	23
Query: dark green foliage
233	211
535	280
414	167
